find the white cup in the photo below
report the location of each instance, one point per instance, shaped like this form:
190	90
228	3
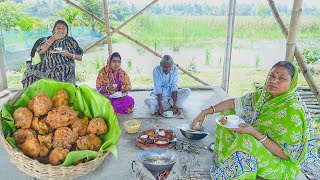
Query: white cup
233	119
59	49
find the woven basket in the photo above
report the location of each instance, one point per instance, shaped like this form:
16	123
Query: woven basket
46	171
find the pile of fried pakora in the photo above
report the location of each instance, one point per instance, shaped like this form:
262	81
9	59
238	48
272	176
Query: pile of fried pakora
48	129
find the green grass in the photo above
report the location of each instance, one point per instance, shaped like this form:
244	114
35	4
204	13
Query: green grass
175	31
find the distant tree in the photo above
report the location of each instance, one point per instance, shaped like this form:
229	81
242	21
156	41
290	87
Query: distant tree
157	9
244	10
120	9
95	7
9	14
262	11
28	24
70	15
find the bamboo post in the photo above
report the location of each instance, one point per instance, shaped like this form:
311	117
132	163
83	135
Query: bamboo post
303	66
107	25
133	17
227	57
3	78
293	29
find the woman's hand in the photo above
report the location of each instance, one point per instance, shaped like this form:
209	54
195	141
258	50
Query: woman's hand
57	36
199	119
244	129
65	53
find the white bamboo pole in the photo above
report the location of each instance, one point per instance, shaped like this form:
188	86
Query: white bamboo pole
3	78
303	66
133	17
228	53
293	29
107	25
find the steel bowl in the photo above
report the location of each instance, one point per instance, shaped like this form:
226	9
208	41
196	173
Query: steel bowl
157	159
199	133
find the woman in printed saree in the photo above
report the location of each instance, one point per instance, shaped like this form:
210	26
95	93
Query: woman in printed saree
274	141
58	53
114	83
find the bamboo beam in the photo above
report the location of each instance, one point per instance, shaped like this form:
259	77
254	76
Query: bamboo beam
119	32
293	29
303	66
3	78
228	53
107	25
128	37
133	17
192	76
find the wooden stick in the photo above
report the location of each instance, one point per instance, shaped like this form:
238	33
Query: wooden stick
192	76
107	25
3	78
293	29
303	66
133	17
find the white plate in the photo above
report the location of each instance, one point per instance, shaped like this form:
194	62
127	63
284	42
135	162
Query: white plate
229	125
117	94
169	114
54	52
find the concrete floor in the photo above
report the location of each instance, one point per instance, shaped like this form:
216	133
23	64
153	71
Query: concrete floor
120	168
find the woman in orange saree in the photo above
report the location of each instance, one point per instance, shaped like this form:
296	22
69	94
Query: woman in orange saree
114	83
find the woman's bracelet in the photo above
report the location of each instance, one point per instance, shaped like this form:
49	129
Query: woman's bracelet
47	42
264	137
205	113
214	109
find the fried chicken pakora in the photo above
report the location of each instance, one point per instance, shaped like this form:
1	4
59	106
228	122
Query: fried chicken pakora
31	147
41	104
57	156
40	126
61	116
89	142
64	137
80	126
97	126
21	135
61	98
44	151
46	140
22	117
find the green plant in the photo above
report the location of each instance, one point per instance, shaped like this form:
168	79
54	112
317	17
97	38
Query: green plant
22	69
176	47
139	69
129	64
208	56
98	63
311	54
192	67
258	61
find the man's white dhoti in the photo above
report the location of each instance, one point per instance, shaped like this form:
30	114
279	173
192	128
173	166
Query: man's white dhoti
182	96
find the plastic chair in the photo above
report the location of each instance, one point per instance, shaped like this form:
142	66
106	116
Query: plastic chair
72	79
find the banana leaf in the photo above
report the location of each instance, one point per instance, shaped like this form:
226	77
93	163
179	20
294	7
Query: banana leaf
83	99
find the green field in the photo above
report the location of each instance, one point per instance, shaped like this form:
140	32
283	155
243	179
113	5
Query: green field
195	31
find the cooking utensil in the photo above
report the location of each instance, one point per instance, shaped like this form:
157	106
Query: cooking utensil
158	159
199	133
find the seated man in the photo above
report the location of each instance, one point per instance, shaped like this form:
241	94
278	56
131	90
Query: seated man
165	93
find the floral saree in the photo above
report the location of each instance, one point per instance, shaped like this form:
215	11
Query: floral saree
283	120
106	76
